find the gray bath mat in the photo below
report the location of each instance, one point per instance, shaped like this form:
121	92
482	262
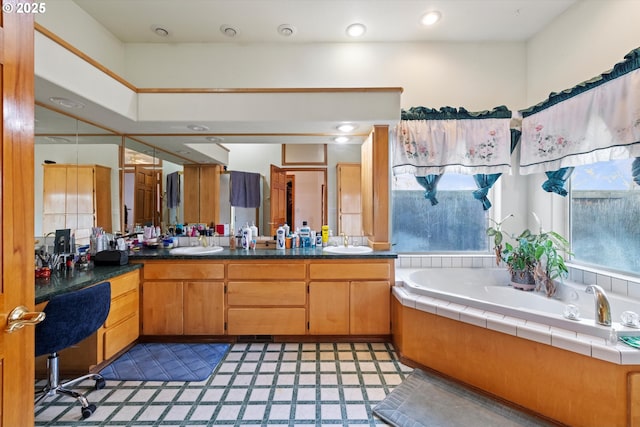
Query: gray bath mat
428	400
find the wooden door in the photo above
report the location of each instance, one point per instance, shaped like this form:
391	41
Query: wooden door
16	227
278	189
143	200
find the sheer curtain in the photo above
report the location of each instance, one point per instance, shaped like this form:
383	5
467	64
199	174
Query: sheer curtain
428	143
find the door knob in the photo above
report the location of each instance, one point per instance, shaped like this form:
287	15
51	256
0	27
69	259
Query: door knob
21	316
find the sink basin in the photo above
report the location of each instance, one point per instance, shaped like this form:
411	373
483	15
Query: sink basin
195	250
348	250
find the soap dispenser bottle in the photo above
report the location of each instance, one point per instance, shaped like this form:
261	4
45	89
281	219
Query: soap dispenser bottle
280	238
246	237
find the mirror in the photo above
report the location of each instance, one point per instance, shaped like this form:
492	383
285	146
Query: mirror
63	139
153	186
74	161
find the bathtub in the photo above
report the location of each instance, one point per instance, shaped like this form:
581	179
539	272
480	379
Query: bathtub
488	289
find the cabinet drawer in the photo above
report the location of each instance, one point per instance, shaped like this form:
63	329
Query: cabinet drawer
124	283
272	270
266	321
350	271
266	293
120	336
184	270
121	307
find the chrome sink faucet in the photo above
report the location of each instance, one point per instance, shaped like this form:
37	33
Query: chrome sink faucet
346	239
203	240
603	309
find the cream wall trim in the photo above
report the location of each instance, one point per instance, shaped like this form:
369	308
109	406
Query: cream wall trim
281	106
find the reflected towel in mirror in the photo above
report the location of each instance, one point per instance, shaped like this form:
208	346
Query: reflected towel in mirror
245	189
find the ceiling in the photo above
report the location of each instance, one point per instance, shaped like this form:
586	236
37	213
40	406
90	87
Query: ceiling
257	21
199	21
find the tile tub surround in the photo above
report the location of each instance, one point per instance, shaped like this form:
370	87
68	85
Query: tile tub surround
529	364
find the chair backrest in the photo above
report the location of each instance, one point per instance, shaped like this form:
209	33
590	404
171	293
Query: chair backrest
72	317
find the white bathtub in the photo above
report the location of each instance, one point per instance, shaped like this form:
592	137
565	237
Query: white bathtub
488	289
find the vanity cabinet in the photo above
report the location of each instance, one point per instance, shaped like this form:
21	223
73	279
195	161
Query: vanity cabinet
350	298
183	298
254	297
266	298
120	329
76	197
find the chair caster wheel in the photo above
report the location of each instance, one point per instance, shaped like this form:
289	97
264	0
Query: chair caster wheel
86	412
100	384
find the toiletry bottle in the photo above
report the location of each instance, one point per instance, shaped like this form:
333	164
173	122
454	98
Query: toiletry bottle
286	230
280	238
325	235
246	236
254	235
305	235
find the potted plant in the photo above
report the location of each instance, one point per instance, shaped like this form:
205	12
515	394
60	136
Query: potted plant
534	260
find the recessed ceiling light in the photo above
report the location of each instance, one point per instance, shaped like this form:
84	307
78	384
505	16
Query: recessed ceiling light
346	127
356	30
214	139
286	30
430	18
341	139
160	31
66	103
183	152
228	31
198	128
58	139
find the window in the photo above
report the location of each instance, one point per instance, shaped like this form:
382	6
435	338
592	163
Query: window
605	216
456	223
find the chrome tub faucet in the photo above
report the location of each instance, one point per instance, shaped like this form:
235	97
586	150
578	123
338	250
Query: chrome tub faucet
603	309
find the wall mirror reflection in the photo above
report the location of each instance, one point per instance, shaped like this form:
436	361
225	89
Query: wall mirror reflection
138	181
76	176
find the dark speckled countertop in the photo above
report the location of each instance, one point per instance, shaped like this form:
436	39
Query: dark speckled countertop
226	253
60	283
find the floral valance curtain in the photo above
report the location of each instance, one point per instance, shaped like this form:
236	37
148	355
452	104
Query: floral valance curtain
598	120
428	141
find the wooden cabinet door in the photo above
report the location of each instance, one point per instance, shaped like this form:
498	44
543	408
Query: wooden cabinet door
329	308
162	308
370	307
54	190
203	308
349	201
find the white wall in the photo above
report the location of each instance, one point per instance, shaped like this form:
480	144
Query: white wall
69	22
585	41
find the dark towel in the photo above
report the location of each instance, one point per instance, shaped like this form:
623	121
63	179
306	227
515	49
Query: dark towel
245	189
173	190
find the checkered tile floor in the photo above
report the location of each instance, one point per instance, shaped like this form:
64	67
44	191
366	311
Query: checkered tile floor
255	384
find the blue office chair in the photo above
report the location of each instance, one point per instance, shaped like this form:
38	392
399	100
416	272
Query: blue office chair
70	318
